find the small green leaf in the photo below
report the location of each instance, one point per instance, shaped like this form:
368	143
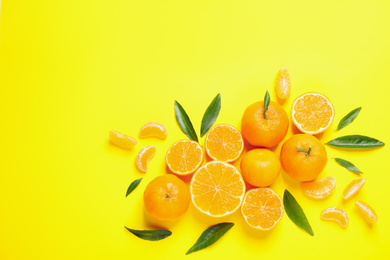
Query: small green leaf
348	118
210	115
184	122
151	235
295	212
304	150
266	104
355	141
132	186
348	165
210	236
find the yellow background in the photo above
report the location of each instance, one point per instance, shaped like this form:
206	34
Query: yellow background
71	71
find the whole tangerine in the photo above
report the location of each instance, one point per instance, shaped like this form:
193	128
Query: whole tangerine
303	157
166	198
263	131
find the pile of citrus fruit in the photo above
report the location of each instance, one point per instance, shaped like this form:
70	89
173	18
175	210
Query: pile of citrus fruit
217	188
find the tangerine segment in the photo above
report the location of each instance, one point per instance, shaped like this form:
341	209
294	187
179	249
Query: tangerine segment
319	189
224	143
153	129
312	113
353	188
262	208
143	157
217	189
366	212
283	84
122	140
184	157
336	214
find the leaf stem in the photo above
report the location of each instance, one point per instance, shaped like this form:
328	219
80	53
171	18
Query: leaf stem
307	152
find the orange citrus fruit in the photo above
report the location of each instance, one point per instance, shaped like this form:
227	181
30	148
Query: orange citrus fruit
260	167
224	143
353	188
336	214
153	129
166	198
184	157
262	208
217	189
303	157
143	157
366	212
122	140
262	132
283	84
319	189
312	113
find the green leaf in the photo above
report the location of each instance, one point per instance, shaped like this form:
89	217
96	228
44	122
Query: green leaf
132	186
301	149
210	236
184	122
348	165
355	141
267	99
151	235
295	212
349	118
210	115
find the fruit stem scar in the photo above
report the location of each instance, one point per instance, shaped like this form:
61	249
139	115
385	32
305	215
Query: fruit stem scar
167	195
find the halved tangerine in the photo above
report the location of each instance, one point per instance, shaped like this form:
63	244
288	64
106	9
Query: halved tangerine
262	208
366	212
283	84
319	189
336	214
353	188
217	189
224	143
312	113
122	140
184	157
143	157
153	129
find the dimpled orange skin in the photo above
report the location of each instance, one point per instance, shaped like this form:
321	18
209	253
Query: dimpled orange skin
166	198
299	166
264	132
260	167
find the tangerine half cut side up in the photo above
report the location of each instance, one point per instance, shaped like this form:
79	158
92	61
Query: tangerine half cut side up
143	157
153	129
184	157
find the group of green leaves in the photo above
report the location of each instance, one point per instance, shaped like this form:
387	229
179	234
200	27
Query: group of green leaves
209	118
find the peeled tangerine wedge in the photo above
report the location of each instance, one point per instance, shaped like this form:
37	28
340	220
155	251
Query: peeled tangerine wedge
153	129
217	189
312	113
224	143
336	214
283	84
366	212
184	157
262	208
353	188
122	140
319	189
143	157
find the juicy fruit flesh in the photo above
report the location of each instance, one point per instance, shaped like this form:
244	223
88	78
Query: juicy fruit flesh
122	140
224	143
336	214
366	212
319	189
143	157
184	157
153	129
353	188
166	198
312	113
262	208
283	84
217	189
